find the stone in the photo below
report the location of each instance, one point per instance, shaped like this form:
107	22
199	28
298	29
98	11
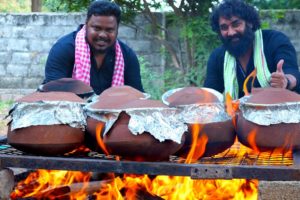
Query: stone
6	183
278	190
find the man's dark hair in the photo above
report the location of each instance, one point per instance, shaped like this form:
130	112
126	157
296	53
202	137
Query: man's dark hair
239	8
104	8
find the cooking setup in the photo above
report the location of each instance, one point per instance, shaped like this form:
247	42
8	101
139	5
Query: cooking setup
190	135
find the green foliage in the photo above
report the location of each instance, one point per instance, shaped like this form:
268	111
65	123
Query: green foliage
278	4
4	105
156	83
15	6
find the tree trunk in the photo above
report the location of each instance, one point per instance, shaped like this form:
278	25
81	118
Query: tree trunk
36	5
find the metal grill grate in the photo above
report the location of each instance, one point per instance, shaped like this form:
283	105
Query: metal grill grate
227	165
228	157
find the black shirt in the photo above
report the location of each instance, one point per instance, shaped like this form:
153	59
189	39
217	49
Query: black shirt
61	58
276	46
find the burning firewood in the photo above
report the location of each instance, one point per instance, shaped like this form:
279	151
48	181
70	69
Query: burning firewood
66	190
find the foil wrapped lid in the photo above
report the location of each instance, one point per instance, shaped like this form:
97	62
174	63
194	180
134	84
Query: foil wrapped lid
67	85
48	108
146	115
267	106
197	105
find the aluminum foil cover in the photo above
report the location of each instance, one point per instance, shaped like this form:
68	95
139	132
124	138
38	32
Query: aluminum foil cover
268	114
203	113
47	113
161	123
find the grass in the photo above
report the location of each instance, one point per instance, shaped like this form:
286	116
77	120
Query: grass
5	105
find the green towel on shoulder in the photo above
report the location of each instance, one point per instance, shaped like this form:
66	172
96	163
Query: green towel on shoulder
263	73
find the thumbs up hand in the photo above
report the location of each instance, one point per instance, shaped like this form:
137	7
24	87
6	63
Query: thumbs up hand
278	78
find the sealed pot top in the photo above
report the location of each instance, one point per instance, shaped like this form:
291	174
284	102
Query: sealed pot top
116	97
130	104
50	96
272	96
190	95
48	108
67	85
197	105
268	106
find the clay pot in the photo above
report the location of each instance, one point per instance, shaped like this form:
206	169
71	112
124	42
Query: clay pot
144	147
68	85
284	136
110	99
220	135
47	139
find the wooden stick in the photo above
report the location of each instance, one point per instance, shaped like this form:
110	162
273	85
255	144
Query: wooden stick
88	188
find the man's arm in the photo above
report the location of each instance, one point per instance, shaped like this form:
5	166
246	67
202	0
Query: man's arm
287	73
60	61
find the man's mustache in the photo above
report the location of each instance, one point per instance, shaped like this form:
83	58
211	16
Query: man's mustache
102	40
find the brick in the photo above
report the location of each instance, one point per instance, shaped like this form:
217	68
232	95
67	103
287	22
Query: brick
32	82
17	45
17	70
2	70
127	33
36	71
21	58
11	82
4	56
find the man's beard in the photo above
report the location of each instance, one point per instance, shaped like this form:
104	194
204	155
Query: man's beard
240	47
100	51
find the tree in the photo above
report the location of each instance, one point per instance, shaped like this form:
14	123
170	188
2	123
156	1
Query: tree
36	5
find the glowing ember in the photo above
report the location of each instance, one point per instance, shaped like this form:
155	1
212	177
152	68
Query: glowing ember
40	184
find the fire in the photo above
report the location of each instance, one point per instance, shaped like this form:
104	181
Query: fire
252	140
252	75
198	144
232	108
44	183
99	129
173	188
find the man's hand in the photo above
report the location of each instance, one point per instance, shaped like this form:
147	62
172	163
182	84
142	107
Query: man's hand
278	78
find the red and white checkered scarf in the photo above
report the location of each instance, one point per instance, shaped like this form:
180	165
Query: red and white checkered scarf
82	66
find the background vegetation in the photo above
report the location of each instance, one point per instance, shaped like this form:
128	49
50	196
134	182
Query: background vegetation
186	51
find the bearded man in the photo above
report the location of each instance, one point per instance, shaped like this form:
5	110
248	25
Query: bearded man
246	47
93	54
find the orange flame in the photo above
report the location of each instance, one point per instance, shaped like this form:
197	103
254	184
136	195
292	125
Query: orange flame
232	107
99	129
198	144
38	184
252	75
252	140
174	188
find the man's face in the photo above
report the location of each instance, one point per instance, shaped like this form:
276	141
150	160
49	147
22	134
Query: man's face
101	32
236	35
